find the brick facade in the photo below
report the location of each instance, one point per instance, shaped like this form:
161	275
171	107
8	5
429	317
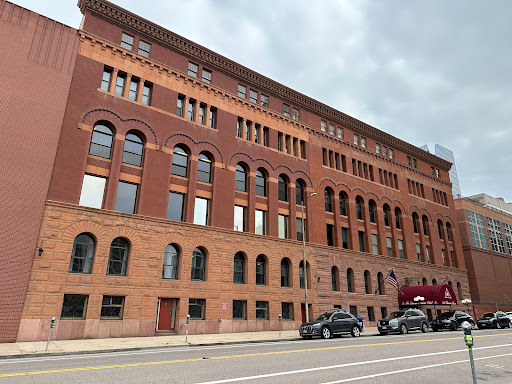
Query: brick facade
402	180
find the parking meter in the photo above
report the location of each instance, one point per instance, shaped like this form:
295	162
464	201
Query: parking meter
280	318
188	319
186	333
52	324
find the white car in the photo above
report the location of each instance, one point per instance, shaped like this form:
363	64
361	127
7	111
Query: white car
509	315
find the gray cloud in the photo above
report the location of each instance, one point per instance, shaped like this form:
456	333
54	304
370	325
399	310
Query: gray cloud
426	72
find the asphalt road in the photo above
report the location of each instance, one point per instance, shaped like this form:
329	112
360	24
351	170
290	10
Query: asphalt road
414	358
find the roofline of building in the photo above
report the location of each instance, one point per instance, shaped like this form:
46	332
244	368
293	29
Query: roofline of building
175	42
483	206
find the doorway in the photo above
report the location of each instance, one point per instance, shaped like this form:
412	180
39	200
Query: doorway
167	314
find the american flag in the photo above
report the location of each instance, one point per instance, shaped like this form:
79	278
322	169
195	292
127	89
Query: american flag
391	279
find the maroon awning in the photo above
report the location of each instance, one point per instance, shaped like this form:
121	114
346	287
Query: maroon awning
433	294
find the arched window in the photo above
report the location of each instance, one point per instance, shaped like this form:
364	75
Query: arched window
434	282
301	274
380	281
424	221
198	265
367	282
440	229
118	257
239	268
171	260
359	208
101	141
285	272
328	200
386	215
424	281
459	291
179	162
449	232
132	152
350	280
241	178
335	277
450	284
371	211
261	270
82	254
398	218
343	203
204	168
282	185
261	183
415	222
299	192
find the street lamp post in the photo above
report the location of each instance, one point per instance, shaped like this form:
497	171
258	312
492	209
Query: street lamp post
419	300
467	302
304	202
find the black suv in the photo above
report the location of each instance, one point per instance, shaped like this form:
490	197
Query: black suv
493	320
451	320
403	321
335	322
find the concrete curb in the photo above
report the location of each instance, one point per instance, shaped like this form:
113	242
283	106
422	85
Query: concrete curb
113	350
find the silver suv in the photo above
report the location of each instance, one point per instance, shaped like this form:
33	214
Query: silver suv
403	321
335	322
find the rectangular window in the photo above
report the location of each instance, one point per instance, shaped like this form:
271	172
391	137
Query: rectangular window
353	310
495	235
180	104
330	234
286	110
127	41
242	91
265	136
175	206
383	312
126	197
332	129
443	255
409	160
191	109
418	251
202	113
377	148
375	245
112	307
253	96
427	253
283	226
196	309
213	118
371	314
239	224
385	151
239	310
239	124
106	79
74	307
363	142
300	234
93	191
400	248
356	139
134	86
391	154
287	311
295	114
206	76
340	133
389	245
323	125
192	69
279	141
344	237
147	90
262	310
121	79
414	163
144	48
432	171
201	211
361	240
264	101
260	222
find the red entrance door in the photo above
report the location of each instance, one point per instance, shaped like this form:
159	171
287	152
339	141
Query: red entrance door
303	312
167	314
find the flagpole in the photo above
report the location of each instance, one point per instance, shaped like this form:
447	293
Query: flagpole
382	282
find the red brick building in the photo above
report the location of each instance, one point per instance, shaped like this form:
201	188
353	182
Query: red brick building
37	61
486	235
177	189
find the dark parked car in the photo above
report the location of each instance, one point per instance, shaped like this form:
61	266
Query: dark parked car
403	321
335	322
451	320
493	320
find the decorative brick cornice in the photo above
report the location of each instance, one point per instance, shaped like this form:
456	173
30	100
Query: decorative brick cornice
120	16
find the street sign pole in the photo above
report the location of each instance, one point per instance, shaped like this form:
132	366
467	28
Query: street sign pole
468	338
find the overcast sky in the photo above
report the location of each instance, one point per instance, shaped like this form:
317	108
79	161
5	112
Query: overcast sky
425	71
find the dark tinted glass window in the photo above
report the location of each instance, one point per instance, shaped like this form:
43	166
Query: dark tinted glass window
179	162
204	168
101	141
175	206
282	189
328	200
118	257
343	204
359	208
241	178
239	269
299	192
261	270
285	273
126	197
261	183
196	308
82	254
239	310
198	265
132	153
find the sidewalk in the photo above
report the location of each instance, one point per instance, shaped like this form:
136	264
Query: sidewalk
64	347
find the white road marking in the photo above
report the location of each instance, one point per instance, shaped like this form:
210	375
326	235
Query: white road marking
283	373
